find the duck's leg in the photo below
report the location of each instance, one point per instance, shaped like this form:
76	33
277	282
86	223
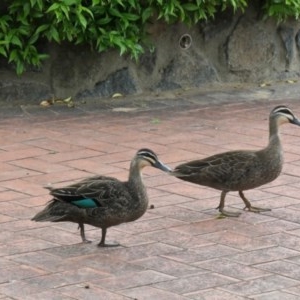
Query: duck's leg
81	227
102	242
221	207
249	206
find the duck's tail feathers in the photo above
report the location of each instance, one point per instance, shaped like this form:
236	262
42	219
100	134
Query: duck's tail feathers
45	217
48	215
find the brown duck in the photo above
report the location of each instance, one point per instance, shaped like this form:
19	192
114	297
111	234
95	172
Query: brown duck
243	169
102	201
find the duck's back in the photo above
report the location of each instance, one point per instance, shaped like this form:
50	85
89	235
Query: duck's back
232	171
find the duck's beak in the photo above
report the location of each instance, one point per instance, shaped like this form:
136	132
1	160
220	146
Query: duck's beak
295	121
158	164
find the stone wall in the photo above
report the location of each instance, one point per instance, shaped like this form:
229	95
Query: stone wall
232	48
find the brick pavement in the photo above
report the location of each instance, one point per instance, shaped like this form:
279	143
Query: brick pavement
178	250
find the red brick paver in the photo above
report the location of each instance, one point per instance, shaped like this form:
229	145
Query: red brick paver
178	250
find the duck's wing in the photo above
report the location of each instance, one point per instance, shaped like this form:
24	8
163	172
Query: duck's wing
92	196
221	165
90	193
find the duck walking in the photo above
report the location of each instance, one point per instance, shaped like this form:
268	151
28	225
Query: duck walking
243	169
102	201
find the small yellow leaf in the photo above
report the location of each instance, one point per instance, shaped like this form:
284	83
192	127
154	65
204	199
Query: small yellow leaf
67	99
58	101
221	216
124	109
46	103
155	121
116	95
265	84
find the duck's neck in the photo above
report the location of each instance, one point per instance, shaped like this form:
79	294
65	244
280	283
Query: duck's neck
274	139
135	182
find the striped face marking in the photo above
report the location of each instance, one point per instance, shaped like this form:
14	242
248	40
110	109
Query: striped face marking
284	115
148	155
149	158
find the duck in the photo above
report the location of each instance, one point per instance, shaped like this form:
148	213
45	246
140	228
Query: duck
241	170
102	201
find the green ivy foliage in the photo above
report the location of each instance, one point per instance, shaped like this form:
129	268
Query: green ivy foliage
103	24
282	9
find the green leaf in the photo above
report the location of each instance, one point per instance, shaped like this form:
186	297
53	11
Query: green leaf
147	13
24	30
53	7
13	55
33	39
86	10
104	21
20	67
3	51
54	34
121	45
65	10
70	2
132	3
130	17
190	6
43	56
42	28
115	13
16	41
26	9
40	4
32	3
120	2
82	20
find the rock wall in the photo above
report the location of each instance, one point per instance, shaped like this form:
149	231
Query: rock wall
232	48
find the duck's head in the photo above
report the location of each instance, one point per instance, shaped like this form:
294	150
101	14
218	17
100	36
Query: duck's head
282	114
146	157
